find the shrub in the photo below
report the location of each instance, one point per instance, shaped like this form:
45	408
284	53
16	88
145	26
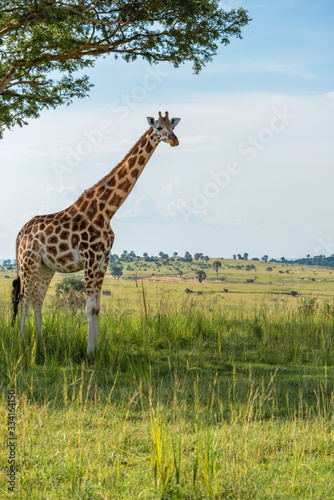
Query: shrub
70	292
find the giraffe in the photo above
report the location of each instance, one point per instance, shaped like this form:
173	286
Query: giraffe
80	237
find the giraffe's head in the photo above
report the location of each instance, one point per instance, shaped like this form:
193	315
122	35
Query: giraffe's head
163	128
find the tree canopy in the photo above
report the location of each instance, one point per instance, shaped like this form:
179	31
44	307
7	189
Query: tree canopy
43	43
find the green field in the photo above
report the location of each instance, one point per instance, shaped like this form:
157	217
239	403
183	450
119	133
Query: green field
225	391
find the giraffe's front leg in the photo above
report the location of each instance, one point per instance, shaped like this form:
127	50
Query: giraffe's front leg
92	310
94	279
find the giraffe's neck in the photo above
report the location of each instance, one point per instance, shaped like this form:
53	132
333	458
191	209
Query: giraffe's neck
111	191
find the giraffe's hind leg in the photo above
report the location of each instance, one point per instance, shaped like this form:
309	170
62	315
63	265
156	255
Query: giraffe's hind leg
41	286
28	280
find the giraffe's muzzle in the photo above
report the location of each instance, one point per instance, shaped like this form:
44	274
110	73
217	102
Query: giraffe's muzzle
173	140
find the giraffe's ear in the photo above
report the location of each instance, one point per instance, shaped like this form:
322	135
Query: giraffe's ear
174	122
151	121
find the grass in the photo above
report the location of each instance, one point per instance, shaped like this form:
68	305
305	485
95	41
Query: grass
214	395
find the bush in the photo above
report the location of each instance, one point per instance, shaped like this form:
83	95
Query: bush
70	284
70	292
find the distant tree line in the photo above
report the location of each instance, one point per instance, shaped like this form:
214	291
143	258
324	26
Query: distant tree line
317	260
8	265
162	257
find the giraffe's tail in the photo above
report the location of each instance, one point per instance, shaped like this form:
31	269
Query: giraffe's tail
16	287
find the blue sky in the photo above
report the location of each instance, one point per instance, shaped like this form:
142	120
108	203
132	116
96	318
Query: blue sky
254	169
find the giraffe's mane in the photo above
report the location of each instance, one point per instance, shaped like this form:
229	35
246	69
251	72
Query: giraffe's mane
126	157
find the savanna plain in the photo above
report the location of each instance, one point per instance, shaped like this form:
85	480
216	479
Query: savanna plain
216	390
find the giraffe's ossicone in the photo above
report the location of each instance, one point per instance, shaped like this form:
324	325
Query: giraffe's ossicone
80	237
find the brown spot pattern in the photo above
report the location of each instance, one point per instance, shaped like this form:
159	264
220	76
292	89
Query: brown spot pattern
132	161
92	209
122	172
49	230
106	195
112	182
115	200
149	147
64	235
141	160
63	247
135	173
125	186
52	250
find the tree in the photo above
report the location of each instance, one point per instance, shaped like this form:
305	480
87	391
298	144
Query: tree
113	258
245	256
198	256
188	257
216	265
116	271
265	258
136	278
44	42
201	275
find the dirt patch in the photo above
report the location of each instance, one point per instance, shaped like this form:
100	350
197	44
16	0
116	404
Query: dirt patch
171	279
166	279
